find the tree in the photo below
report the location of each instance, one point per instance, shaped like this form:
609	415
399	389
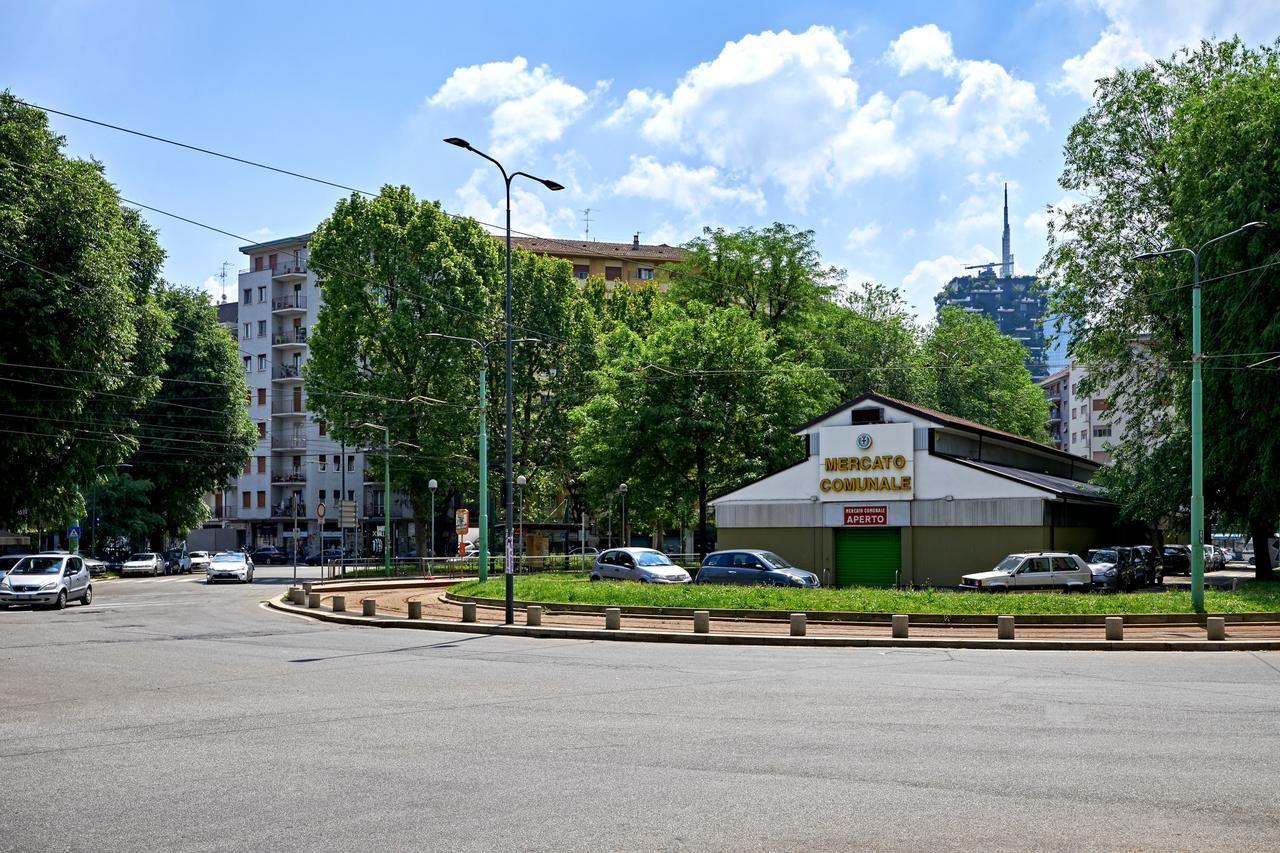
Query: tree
977	373
194	433
702	404
1172	154
395	271
82	336
870	342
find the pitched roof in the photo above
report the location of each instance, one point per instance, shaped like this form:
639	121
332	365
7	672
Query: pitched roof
1058	485
595	249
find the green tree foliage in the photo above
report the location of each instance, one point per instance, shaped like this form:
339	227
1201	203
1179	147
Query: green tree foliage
699	405
869	341
123	508
1173	154
977	373
78	312
195	433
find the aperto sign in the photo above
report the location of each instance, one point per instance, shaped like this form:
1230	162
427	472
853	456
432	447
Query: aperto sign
866	516
863	461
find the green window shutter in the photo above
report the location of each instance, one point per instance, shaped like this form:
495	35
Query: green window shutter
868	557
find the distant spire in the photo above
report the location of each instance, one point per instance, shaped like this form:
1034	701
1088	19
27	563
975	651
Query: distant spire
1006	257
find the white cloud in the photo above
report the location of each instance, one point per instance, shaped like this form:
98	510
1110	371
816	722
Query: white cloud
529	213
664	233
213	286
261	233
927	277
922	47
688	189
1139	30
530	106
862	235
784	108
976	213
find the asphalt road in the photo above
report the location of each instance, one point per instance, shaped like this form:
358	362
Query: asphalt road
174	716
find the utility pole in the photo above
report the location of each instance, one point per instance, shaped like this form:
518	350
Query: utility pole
342	527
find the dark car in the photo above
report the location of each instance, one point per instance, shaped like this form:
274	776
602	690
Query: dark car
1177	559
269	555
1116	568
1152	562
752	567
328	555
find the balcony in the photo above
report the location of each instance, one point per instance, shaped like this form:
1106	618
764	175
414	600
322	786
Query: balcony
288	406
288	270
284	509
223	513
293	303
296	337
288	476
294	441
287	373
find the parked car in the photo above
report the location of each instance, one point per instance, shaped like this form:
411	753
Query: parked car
1152	563
143	563
177	561
200	561
49	580
1213	559
1115	569
269	555
1033	570
752	566
637	564
1177	559
8	561
229	565
315	558
96	568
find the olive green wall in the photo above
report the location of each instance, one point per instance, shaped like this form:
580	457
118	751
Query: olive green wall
804	547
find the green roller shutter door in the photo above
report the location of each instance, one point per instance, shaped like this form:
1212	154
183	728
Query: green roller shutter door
868	557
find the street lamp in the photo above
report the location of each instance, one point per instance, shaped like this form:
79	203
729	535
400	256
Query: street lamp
622	490
432	485
386	495
520	483
1197	410
508	462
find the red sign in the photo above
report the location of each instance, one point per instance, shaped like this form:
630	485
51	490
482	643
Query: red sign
866	516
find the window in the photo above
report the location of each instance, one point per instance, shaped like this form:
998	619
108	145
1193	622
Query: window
262	429
247	327
612	273
644	274
262	499
351	494
720	560
245	498
1063	564
248	295
262	396
262	294
581	270
324	465
248	364
351	463
262	328
1102	432
262	464
1075	436
257	267
337	462
1037	565
248	467
320	496
271	261
262	362
322	427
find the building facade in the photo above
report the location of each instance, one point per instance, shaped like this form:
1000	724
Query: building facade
892	493
1080	423
634	262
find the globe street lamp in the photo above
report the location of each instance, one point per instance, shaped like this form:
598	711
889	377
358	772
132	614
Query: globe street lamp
432	485
1197	411
622	490
508	462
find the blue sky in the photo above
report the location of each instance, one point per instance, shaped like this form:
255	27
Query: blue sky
887	128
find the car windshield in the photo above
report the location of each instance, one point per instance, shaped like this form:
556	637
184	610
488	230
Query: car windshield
1103	555
38	566
1008	564
775	561
652	558
227	558
141	557
198	555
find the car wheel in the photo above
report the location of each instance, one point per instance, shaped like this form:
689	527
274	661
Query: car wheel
61	603
87	598
208	580
594	578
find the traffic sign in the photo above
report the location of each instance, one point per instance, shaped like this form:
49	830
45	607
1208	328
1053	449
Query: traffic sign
73	532
320	511
462	521
347	513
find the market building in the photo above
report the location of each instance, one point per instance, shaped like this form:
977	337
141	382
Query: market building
894	493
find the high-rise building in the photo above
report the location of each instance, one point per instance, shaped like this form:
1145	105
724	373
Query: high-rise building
1014	303
1083	424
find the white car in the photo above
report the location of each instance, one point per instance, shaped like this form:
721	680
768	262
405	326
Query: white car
637	564
1034	570
199	561
143	563
50	580
229	566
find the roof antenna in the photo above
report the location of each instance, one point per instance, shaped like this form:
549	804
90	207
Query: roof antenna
223	275
586	217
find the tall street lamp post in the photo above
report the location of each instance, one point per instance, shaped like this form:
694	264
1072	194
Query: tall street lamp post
622	490
1197	411
432	485
386	495
508	463
520	484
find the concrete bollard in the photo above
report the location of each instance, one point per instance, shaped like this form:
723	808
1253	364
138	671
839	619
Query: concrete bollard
294	596
1217	627
415	609
306	587
612	618
369	606
1115	627
798	623
901	623
468	611
1235	584
313	600
339	603
533	615
1004	627
702	622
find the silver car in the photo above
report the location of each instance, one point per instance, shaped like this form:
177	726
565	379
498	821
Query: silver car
200	561
637	564
1035	570
144	563
49	580
229	566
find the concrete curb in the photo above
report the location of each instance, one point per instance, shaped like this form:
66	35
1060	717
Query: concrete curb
876	617
568	633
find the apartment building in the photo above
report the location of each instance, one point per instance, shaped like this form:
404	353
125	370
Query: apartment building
632	262
297	465
1081	424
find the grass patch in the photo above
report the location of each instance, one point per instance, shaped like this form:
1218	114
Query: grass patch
576	589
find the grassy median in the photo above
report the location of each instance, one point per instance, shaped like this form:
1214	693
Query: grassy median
1254	596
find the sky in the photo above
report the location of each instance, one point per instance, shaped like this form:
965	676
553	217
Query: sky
888	129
